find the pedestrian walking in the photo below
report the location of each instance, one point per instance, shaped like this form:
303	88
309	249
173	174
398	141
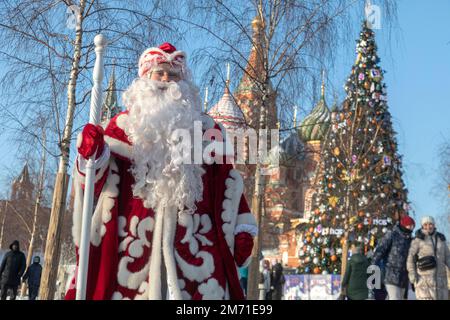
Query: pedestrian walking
11	270
392	252
428	260
33	278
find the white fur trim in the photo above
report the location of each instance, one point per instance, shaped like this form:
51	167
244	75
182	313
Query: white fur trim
197	273
119	147
211	290
131	280
133	225
105	203
206	223
136	248
102	212
124	244
122	224
184	294
205	241
122	121
192	223
233	193
100	163
249	228
246	218
143	290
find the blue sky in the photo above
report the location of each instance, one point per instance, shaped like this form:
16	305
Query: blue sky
418	68
417	61
416	57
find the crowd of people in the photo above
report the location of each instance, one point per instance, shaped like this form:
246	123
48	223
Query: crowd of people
405	261
13	273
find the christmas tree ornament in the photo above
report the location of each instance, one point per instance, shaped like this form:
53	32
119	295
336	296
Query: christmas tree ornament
333	201
336	151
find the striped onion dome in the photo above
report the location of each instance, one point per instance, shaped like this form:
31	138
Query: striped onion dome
227	112
315	125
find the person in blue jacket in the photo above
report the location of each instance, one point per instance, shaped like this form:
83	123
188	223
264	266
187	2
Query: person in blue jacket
33	277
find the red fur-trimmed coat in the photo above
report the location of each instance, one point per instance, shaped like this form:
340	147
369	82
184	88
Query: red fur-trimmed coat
202	251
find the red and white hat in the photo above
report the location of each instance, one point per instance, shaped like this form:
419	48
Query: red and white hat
165	53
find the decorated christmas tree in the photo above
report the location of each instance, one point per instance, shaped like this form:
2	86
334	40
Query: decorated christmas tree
360	193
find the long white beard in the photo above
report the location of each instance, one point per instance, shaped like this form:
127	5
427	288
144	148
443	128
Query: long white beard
154	114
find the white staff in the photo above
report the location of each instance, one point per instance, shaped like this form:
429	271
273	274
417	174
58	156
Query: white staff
94	115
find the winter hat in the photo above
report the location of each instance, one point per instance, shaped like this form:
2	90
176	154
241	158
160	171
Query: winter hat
427	219
15	242
407	221
165	53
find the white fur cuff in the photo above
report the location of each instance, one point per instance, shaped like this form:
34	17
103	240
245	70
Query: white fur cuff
249	228
99	163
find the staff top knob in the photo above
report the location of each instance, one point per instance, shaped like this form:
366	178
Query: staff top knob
100	40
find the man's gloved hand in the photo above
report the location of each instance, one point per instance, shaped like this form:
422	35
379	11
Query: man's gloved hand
243	245
91	140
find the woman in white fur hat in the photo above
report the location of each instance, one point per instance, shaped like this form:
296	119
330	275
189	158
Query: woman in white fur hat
428	260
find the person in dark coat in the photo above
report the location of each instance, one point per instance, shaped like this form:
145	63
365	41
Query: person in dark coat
277	281
33	275
393	251
354	284
11	270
